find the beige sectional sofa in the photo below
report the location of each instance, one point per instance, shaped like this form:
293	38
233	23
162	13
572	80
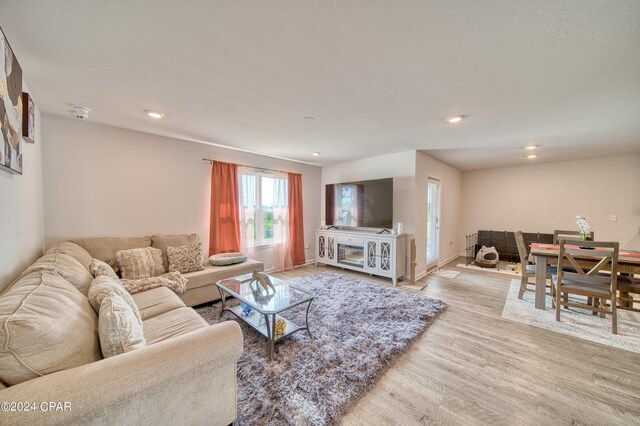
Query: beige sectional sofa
51	365
200	288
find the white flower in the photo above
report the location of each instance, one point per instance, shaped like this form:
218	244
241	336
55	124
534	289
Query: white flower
583	225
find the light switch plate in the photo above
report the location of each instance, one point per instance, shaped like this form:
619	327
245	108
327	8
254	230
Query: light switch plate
613	218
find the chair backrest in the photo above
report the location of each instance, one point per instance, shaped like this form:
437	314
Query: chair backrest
602	254
522	248
557	234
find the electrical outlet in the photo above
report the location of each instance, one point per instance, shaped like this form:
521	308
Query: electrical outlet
306	246
613	218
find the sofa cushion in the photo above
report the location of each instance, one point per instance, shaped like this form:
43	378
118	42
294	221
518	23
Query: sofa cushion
210	274
74	250
171	324
46	325
105	248
98	268
140	263
185	259
161	242
119	327
171	280
156	301
60	263
104	286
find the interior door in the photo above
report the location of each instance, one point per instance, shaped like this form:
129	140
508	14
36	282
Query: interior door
433	222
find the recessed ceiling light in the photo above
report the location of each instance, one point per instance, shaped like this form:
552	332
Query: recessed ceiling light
455	119
153	114
309	118
532	156
530	147
315	154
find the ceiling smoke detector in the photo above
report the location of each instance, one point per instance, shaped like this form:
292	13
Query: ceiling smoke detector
80	112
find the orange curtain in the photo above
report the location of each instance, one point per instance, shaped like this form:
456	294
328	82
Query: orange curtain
296	227
224	232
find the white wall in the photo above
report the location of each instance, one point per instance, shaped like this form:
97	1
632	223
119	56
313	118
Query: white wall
21	222
544	197
450	209
400	166
106	181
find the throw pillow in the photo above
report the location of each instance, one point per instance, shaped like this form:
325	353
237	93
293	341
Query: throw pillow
104	286
98	268
172	280
119	328
185	258
161	242
140	263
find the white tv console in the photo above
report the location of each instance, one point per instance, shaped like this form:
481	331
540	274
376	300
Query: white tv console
365	251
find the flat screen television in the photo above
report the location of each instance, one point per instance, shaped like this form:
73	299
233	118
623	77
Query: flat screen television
367	203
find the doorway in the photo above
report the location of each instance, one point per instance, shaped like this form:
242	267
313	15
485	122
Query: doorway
433	222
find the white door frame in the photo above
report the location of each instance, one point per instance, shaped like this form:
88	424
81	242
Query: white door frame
434	263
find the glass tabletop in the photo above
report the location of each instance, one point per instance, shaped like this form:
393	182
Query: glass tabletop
264	300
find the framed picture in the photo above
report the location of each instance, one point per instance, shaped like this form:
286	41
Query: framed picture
28	117
10	109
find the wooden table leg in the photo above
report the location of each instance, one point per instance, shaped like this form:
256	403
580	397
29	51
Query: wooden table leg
541	281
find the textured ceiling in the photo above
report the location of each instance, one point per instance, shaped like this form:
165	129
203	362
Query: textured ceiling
378	76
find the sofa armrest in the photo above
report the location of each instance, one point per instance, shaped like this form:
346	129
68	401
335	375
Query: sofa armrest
190	379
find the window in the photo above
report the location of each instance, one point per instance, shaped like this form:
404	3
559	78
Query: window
263	207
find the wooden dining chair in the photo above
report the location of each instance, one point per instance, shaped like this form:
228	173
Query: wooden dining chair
528	270
628	293
591	283
572	235
557	234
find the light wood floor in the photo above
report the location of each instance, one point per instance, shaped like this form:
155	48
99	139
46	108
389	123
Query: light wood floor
472	367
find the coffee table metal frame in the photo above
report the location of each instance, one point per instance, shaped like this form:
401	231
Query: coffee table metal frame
268	329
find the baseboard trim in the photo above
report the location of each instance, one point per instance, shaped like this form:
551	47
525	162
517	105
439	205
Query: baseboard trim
450	259
308	262
421	275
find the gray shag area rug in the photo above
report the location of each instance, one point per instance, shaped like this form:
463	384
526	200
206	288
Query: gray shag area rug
359	329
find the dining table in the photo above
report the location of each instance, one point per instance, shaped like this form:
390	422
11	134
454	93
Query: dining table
628	263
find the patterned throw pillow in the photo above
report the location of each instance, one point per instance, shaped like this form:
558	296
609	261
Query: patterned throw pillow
104	286
172	280
140	263
185	258
119	329
99	268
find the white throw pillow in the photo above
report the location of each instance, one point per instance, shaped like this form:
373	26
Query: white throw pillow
119	328
104	286
140	263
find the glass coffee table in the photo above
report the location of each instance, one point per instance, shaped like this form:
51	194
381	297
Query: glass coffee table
263	306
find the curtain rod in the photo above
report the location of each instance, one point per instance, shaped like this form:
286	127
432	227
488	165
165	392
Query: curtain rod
253	167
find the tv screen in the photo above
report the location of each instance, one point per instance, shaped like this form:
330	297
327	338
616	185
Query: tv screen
367	203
